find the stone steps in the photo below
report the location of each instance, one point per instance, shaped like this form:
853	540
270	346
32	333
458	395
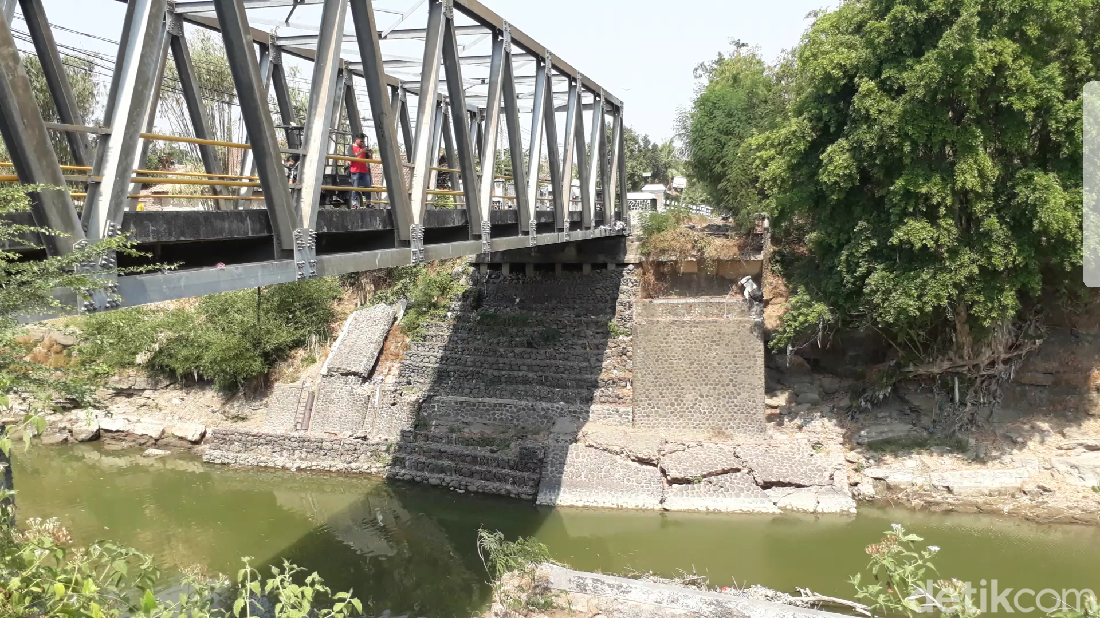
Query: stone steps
463	388
477	348
461	457
518	414
437	375
504	363
527	339
484	487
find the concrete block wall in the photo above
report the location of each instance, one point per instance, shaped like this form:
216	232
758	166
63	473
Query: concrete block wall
698	365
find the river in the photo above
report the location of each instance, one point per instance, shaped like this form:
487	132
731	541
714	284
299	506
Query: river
411	548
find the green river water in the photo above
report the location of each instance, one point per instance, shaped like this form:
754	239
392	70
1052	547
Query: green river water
411	548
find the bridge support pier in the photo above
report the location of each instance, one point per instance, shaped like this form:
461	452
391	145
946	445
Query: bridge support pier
586	268
529	269
506	269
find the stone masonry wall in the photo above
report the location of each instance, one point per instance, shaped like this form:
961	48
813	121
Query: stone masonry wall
698	365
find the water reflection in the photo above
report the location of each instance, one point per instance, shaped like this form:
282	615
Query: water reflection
411	548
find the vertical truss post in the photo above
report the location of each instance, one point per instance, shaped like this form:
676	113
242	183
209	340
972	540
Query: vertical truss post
611	180
595	147
31	149
422	157
621	159
449	149
325	98
282	97
56	79
457	90
437	137
480	132
582	165
406	123
132	87
488	152
534	157
553	155
189	86
524	209
571	115
248	159
241	54
385	123
351	106
154	105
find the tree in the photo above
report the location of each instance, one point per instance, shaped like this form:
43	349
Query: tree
85	94
740	96
649	162
932	163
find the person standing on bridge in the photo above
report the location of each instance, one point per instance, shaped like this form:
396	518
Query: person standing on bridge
360	171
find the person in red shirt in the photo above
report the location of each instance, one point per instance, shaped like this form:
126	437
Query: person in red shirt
360	172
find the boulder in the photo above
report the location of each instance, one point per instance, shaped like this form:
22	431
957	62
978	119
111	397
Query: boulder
811	398
148	427
155	452
1081	470
86	431
829	384
52	439
778	400
980	482
1089	444
801	499
114	424
191	432
889	432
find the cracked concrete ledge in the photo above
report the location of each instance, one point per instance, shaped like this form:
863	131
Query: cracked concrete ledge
617	597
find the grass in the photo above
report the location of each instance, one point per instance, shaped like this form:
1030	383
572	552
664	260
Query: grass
516	559
617	331
428	288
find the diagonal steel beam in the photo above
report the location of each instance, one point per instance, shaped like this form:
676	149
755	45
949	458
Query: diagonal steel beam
189	86
351	107
525	212
488	153
385	122
338	95
449	149
7	10
594	169
568	149
406	123
624	209
282	96
400	20
248	160
57	81
553	154
437	137
605	173
538	123
457	92
31	150
325	98
422	157
151	111
611	181
240	51
132	86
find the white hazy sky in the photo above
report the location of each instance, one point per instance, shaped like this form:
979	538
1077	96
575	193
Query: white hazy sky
643	51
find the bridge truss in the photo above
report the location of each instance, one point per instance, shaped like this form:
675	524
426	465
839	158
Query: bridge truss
443	93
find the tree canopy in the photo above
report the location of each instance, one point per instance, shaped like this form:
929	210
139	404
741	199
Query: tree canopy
930	172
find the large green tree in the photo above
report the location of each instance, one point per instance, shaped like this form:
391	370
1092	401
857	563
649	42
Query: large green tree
648	161
932	163
740	95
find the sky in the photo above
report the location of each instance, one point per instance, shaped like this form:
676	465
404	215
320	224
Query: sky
642	51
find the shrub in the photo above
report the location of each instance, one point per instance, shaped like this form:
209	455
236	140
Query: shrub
428	290
225	338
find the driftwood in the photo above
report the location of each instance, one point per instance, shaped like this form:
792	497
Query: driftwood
809	596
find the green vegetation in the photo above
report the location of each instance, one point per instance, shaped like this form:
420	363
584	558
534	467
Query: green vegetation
501	557
80	73
740	97
648	161
228	338
616	331
428	290
44	575
928	181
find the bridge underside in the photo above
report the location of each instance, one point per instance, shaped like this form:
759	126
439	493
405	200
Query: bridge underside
440	115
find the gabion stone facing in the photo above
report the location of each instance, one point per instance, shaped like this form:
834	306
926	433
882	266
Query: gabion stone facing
700	461
359	342
282	407
735	492
787	463
578	475
698	365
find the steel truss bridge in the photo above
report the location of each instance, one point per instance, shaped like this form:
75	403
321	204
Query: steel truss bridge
421	100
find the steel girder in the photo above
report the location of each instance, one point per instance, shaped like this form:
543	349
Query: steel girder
465	123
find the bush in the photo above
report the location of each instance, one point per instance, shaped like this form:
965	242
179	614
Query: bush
221	339
428	290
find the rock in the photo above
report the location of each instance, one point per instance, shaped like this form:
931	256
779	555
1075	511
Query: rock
980	482
148	427
155	452
1081	470
64	340
52	439
564	425
888	432
811	398
854	457
778	400
86	431
1089	444
829	384
896	479
114	424
864	490
801	499
1035	379
832	500
192	432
